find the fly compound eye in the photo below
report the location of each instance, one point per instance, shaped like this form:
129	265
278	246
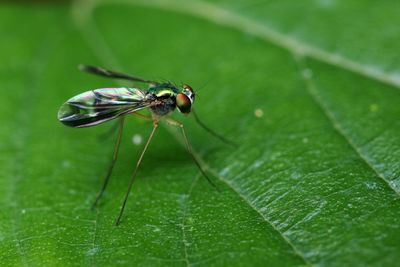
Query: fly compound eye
183	103
188	88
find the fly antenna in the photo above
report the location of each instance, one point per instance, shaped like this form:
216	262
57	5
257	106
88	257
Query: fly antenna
205	83
216	135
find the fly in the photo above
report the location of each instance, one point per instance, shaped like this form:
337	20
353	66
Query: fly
100	105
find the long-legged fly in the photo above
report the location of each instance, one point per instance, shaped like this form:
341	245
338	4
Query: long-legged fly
100	105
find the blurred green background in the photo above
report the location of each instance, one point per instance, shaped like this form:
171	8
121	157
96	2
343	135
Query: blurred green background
309	90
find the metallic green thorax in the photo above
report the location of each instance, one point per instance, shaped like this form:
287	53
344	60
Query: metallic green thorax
164	98
165	89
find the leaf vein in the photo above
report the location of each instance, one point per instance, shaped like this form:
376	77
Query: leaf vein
252	206
329	114
93	251
185	210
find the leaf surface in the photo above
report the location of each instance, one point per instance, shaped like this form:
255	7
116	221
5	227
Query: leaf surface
308	93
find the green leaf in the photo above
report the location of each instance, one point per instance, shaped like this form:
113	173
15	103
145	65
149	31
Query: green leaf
309	91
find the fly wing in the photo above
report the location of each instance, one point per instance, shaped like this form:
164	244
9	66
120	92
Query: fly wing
97	106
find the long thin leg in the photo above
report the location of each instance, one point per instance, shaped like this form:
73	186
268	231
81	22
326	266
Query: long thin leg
112	74
141	116
189	148
216	135
114	159
135	171
110	131
115	126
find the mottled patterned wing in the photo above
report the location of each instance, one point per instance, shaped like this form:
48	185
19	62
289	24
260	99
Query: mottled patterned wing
100	105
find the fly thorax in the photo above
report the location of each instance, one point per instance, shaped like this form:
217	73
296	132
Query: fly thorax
163	103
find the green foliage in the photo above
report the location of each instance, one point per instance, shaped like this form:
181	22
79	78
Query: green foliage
309	90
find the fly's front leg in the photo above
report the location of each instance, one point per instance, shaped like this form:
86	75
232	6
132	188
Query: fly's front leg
210	131
189	148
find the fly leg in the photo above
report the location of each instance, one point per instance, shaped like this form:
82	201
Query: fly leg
189	148
135	171
114	159
141	116
112	74
213	133
110	131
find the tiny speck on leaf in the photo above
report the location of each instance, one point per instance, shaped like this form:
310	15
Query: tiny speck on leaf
371	185
92	251
307	73
374	107
258	113
137	139
66	164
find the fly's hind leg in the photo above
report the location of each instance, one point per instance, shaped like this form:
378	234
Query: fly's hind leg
112	74
110	131
113	160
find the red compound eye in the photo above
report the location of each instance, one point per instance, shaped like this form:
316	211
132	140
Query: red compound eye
183	103
187	87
